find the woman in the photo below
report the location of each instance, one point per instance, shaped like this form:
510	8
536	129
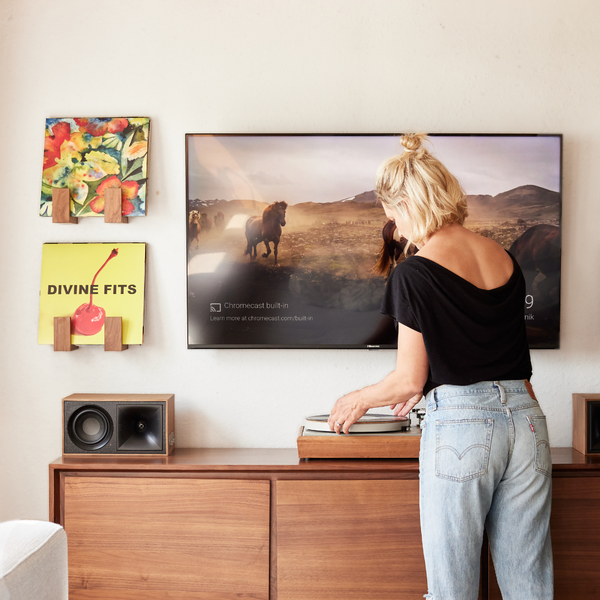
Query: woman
485	460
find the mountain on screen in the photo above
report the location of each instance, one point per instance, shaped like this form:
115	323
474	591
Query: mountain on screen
526	202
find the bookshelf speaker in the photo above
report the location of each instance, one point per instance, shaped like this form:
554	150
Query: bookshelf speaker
119	424
586	423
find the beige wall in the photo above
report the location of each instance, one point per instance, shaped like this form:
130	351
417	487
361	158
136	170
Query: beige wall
269	66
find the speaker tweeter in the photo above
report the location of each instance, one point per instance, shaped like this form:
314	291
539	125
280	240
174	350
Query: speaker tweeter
139	427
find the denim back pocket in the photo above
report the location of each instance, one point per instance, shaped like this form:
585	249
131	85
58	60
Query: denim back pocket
462	448
543	461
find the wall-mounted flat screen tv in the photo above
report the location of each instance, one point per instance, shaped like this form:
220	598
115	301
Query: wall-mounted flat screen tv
284	232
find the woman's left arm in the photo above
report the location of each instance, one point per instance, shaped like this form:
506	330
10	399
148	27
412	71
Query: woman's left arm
401	389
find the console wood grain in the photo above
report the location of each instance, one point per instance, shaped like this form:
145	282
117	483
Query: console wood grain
349	539
167	538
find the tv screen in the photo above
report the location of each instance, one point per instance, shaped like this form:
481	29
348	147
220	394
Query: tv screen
284	233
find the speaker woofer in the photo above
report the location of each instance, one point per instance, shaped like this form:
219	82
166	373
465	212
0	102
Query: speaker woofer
140	427
90	428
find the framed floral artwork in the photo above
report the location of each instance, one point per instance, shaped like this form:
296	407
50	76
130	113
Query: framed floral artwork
89	155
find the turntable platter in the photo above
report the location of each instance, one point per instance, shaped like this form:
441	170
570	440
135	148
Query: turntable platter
369	423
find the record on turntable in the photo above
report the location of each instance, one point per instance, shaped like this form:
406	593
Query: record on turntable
369	423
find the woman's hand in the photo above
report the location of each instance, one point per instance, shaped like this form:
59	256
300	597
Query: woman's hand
402	388
403	408
346	411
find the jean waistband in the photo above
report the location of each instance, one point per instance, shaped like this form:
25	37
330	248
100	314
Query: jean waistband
482	393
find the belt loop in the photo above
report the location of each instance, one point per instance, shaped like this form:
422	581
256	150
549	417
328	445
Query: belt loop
434	399
502	392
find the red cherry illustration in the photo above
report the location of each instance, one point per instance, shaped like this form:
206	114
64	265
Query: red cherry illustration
89	319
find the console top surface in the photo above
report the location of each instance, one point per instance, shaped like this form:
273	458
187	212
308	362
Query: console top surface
278	459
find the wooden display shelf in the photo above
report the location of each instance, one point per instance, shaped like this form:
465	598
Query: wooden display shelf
62	335
113	335
113	206
61	206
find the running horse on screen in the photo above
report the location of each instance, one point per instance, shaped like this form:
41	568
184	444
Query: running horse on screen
538	251
266	228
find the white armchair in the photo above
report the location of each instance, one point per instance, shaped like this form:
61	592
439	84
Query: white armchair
33	561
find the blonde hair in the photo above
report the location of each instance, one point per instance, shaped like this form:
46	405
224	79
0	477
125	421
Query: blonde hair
421	189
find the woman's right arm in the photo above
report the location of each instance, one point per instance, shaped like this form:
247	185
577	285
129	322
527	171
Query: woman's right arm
401	389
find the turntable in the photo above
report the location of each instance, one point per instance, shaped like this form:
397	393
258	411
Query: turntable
372	436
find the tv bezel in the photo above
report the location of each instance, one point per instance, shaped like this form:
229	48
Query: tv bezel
347	134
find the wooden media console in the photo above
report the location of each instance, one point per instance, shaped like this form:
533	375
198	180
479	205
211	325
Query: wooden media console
225	524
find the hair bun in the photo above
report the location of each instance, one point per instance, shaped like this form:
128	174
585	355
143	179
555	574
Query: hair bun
412	142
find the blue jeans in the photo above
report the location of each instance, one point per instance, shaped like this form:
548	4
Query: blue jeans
485	462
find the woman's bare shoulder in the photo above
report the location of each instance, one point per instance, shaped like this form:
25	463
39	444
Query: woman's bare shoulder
478	259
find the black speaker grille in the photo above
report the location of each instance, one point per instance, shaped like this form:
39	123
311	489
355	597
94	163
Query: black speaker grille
111	446
593	421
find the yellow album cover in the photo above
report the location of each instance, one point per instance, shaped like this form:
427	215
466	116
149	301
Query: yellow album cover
89	282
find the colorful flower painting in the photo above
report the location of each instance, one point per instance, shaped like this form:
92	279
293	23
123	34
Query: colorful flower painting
90	155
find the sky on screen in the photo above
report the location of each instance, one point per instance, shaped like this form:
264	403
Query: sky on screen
331	168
